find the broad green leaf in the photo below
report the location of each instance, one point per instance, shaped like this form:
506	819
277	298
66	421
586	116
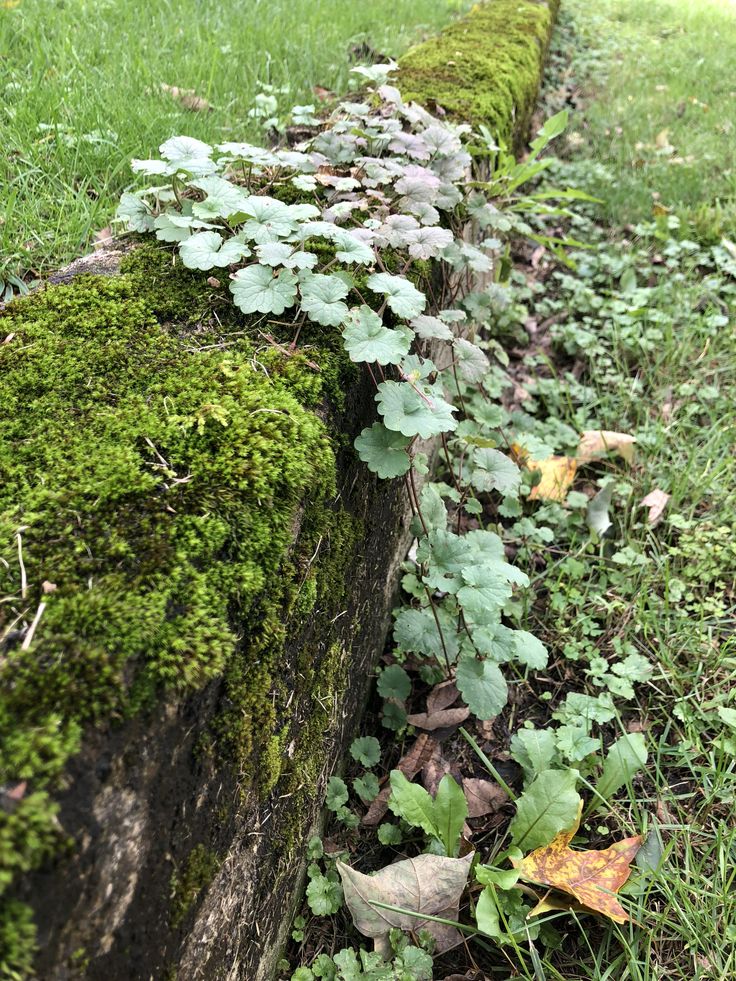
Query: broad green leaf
411	802
534	749
486	914
482	686
450	812
389	834
351	250
575	744
321	298
207	250
135	212
256	289
324	896
394	682
337	793
366	787
366	750
406	411
431	327
383	451
269	221
181	147
503	878
223	198
367	339
472	363
549	805
173	227
415	631
624	760
580	709
530	651
402	297
494	470
281	254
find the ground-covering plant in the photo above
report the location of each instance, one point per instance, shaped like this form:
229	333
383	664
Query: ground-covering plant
338	231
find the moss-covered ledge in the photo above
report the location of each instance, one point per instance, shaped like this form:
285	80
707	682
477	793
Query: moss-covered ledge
485	69
196	579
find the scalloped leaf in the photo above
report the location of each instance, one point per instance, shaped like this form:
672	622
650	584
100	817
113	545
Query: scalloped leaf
256	289
207	250
383	451
482	686
402	297
406	411
367	339
322	298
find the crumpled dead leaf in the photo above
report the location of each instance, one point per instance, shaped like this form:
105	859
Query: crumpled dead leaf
442	696
591	877
187	97
429	884
558	473
597	442
483	796
444	719
656	501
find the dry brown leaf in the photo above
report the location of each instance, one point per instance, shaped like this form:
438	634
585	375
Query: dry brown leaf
187	97
428	884
101	239
591	877
437	767
414	761
483	797
558	473
444	719
656	501
597	442
442	696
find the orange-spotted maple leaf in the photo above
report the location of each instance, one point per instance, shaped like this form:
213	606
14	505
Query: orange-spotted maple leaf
592	877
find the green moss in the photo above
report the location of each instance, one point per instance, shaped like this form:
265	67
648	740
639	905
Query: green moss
486	67
17	940
188	883
153	464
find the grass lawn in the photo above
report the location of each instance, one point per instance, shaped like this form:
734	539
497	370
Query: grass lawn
664	122
81	92
645	344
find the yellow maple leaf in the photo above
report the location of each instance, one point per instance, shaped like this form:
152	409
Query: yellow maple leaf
558	473
592	877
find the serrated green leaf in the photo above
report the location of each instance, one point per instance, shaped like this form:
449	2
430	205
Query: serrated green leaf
280	254
389	834
256	289
534	749
482	686
337	793
394	682
402	297
383	451
549	805
494	470
406	411
472	363
367	339
366	750
207	250
366	787
351	250
411	802
135	212
269	221
321	298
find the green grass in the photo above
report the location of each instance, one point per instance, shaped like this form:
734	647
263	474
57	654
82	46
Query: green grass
664	120
81	92
654	356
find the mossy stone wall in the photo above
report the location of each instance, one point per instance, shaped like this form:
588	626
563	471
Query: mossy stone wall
210	572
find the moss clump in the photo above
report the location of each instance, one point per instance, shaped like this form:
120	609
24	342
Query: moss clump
153	463
485	68
187	884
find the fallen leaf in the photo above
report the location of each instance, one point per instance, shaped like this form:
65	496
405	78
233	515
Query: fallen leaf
429	884
437	767
414	761
558	473
596	515
662	139
101	239
483	797
187	97
439	720
597	442
323	94
592	877
442	696
656	501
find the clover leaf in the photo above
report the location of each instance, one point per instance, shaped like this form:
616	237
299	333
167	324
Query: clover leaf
321	298
256	289
383	451
367	339
406	411
204	250
404	299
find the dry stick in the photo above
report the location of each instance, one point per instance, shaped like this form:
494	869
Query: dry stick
27	640
23	579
